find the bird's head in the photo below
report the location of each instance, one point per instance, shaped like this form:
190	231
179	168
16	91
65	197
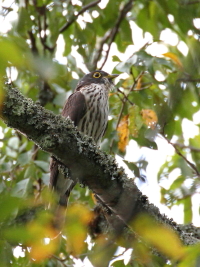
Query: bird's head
98	77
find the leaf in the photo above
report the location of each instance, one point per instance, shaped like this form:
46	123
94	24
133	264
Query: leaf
115	59
42	242
154	234
139	83
8	205
133	167
126	65
42	164
149	117
135	120
78	217
174	58
123	133
21	188
5	253
24	158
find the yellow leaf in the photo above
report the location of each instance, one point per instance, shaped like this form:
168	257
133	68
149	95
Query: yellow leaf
149	117
159	236
78	217
42	244
123	133
139	83
174	58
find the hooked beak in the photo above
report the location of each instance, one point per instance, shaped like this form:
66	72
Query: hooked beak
112	76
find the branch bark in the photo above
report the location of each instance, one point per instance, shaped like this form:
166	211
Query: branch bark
99	171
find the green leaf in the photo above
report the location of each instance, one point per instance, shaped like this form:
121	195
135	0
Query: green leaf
5	253
42	164
9	204
24	158
133	167
21	188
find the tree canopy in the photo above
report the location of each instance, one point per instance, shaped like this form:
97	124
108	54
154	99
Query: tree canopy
45	48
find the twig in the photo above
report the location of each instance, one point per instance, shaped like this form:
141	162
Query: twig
181	155
43	38
99	50
124	100
62	261
86	7
189	3
33	42
186	80
115	30
192	148
126	97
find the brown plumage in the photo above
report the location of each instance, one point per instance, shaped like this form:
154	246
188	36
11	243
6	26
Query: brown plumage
87	107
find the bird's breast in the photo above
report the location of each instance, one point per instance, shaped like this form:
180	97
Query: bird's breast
94	121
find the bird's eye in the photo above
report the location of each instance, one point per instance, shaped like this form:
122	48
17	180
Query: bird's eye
97	75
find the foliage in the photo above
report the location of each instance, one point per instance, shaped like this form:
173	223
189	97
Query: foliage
157	96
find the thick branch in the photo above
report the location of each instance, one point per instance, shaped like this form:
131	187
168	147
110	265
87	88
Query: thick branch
57	135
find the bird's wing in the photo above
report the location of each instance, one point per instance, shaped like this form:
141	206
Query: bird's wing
75	107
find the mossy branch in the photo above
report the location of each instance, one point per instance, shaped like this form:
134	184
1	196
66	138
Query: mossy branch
99	171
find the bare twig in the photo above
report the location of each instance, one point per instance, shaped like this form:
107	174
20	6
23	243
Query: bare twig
127	7
86	7
187	80
126	97
124	100
191	148
33	42
189	2
43	29
62	261
192	165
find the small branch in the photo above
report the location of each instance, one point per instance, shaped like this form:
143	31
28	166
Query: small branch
181	155
115	30
98	53
189	3
40	29
86	7
187	80
192	148
62	261
33	42
126	97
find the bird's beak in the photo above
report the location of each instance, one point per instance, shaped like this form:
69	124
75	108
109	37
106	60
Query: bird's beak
112	76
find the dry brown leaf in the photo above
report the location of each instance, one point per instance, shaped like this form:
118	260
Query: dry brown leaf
123	133
174	58
149	117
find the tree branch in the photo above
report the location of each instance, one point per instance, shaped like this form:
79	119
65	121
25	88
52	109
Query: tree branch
192	165
127	7
86	7
99	171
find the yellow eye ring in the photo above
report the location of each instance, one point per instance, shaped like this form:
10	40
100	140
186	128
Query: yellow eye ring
97	75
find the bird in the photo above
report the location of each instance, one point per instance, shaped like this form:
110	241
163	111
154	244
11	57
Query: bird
88	109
